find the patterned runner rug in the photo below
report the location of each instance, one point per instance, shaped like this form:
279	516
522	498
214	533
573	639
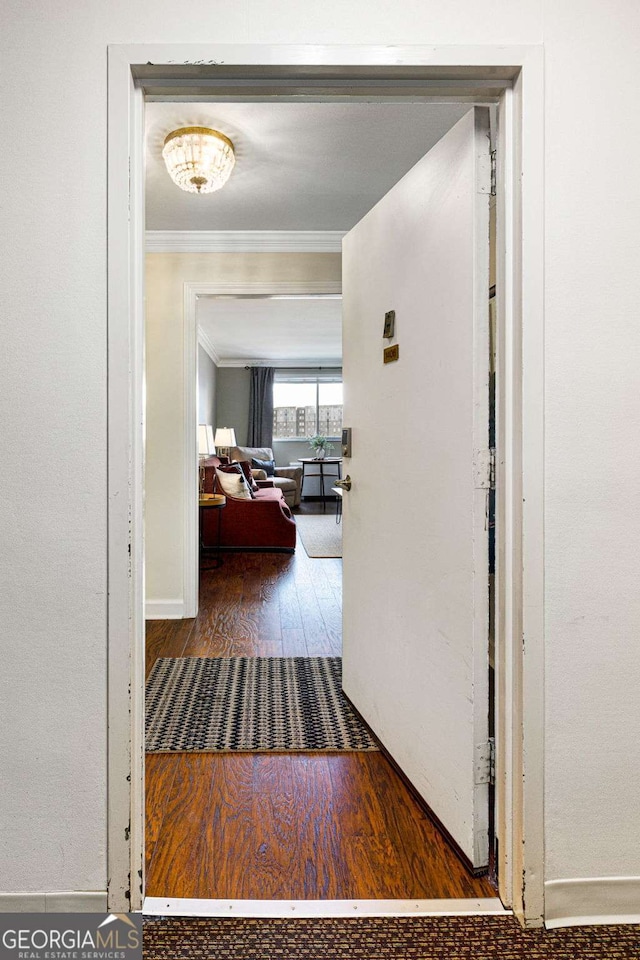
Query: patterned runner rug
255	704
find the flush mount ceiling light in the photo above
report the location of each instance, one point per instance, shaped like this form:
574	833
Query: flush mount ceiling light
199	159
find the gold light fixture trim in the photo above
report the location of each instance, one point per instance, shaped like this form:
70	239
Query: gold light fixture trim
198	159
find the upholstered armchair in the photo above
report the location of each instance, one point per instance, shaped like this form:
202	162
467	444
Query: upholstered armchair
287	479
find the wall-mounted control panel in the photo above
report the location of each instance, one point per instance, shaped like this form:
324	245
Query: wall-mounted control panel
346	441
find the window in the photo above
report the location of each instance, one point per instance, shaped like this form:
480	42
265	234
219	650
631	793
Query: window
305	405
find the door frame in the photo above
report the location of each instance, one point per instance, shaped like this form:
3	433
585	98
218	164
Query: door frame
192	292
512	76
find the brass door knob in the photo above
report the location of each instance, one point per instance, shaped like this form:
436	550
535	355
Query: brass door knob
345	484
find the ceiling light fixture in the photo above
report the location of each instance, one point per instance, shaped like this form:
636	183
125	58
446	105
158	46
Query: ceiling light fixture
199	159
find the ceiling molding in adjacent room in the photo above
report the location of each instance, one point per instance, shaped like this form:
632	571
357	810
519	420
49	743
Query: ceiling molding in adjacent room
204	340
244	241
288	364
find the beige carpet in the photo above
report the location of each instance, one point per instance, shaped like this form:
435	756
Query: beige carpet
321	536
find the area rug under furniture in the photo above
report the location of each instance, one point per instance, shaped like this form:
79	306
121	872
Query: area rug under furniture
321	536
256	704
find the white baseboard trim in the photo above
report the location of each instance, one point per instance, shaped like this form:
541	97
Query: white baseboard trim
592	900
63	901
185	907
164	610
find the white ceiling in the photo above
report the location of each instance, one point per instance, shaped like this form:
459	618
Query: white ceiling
299	166
279	331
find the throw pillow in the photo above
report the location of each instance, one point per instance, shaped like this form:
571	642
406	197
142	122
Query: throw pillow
246	469
269	466
233	484
239	468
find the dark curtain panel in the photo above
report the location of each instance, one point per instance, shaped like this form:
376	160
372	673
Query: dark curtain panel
261	407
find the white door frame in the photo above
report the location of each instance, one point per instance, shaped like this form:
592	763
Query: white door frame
510	75
192	291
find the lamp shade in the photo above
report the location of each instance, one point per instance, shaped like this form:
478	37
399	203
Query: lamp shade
206	447
225	437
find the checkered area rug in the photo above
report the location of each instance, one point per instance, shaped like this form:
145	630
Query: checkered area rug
382	938
255	704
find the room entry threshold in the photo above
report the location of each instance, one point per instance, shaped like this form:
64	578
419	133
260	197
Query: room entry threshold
188	907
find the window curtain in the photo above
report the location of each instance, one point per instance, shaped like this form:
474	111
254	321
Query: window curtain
261	407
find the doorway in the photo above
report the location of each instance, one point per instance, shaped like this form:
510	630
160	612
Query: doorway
241	330
114	651
345	843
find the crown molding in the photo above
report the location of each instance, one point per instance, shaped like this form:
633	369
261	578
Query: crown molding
268	362
204	340
244	241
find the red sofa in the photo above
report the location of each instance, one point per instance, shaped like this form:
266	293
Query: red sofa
261	524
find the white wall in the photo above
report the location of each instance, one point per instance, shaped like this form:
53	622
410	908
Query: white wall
53	236
592	431
164	499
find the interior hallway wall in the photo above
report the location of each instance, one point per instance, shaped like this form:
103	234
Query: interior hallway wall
207	376
592	445
54	364
234	385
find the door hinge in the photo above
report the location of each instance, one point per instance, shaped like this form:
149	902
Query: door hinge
494	176
485	762
486	469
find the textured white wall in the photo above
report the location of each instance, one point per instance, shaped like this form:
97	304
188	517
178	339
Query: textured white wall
166	276
592	433
53	237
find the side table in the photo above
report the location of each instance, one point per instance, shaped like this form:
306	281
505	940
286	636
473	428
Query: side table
211	501
320	464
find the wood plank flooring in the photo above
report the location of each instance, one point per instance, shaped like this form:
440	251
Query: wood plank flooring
294	826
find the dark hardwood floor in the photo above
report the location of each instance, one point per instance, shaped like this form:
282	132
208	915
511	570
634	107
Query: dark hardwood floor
294	826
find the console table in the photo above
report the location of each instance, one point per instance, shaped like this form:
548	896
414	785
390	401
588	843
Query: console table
317	467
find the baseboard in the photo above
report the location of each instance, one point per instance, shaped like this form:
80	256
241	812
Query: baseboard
164	610
63	901
592	900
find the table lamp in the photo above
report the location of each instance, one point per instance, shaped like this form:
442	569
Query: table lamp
206	447
225	438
